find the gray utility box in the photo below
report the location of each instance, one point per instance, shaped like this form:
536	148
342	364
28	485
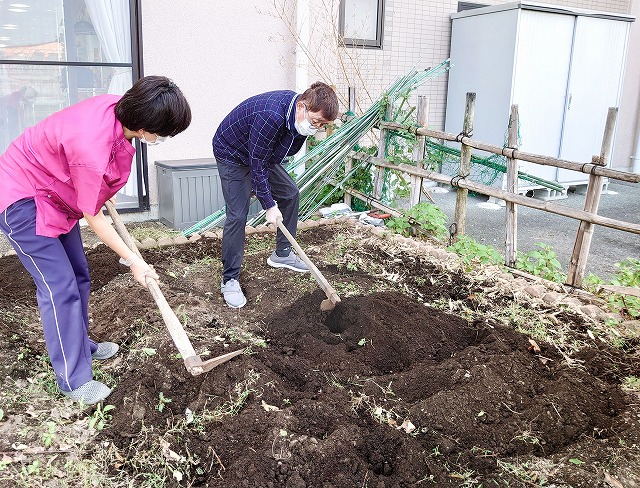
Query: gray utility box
188	191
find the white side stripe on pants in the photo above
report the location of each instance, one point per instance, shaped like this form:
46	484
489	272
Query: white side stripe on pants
55	312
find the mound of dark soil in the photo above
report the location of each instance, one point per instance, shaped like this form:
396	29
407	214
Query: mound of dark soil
382	391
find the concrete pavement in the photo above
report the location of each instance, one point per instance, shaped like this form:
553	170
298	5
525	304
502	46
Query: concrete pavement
621	201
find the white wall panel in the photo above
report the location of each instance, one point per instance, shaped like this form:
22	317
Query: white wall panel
218	53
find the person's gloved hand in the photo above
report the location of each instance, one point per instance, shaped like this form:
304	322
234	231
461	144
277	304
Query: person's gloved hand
273	214
140	269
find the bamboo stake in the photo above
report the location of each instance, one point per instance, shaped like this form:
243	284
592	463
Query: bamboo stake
550	207
373	202
378	180
348	166
578	263
633	291
511	237
465	168
418	153
587	168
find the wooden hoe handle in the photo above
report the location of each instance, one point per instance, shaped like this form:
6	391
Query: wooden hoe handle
322	281
172	322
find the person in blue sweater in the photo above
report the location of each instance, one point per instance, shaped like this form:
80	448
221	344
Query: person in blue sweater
250	146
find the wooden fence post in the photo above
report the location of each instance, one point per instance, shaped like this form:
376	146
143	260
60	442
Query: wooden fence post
511	236
578	262
348	165
465	168
418	152
378	180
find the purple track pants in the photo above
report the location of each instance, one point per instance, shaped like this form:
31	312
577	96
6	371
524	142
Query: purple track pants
60	271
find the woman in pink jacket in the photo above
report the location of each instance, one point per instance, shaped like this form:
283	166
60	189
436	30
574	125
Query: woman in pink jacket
59	171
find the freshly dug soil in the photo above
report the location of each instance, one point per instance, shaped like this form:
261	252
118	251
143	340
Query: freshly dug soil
382	391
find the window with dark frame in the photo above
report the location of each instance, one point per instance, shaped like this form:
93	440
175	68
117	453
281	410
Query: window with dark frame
361	23
56	54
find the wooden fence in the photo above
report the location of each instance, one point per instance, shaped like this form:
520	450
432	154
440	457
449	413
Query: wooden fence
596	169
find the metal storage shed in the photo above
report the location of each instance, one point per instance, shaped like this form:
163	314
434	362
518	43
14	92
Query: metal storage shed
562	66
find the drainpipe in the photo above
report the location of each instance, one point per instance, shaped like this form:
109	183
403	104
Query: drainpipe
302	60
635	159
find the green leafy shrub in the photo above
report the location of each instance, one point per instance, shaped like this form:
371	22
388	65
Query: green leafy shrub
628	275
471	251
422	219
541	262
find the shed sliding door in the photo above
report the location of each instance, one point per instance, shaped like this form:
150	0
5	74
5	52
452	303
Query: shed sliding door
541	76
595	81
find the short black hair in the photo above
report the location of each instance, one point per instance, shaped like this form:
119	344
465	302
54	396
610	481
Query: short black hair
321	98
155	104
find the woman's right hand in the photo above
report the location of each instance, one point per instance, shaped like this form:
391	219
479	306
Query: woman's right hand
141	270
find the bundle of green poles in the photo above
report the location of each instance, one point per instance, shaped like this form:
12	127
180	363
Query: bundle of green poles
323	162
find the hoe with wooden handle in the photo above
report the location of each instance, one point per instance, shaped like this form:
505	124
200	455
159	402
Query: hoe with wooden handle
332	297
192	361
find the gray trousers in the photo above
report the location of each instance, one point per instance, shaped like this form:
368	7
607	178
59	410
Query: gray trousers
236	189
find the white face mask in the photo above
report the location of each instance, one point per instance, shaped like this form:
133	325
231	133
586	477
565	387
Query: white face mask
304	128
159	140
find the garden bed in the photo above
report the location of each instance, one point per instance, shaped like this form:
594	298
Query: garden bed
424	375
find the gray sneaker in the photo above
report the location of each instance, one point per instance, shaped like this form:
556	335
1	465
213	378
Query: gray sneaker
292	262
233	294
105	350
89	393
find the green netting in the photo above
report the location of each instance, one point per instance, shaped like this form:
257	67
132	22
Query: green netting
446	159
486	170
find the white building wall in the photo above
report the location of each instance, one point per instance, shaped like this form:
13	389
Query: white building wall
218	53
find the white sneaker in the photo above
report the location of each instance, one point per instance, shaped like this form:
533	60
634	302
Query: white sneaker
292	262
105	350
90	393
233	294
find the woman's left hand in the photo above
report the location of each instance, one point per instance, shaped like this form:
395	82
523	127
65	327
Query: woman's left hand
141	270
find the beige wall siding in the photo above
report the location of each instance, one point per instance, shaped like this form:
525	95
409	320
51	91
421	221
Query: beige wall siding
218	53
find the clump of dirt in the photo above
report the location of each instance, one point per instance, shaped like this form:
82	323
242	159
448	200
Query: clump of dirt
382	391
344	380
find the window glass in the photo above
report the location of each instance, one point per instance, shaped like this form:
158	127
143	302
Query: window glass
361	19
54	53
71	30
361	23
30	93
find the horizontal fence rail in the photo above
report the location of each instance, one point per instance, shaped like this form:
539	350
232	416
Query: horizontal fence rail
554	208
592	168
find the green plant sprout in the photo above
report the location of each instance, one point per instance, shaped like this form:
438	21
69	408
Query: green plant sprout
50	434
423	219
162	401
470	252
101	417
182	314
541	262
